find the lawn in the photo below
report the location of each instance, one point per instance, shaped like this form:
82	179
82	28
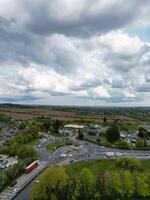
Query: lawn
100	166
55	145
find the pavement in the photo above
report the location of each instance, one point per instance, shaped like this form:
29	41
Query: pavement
89	151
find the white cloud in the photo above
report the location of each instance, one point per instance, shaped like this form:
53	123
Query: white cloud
73	50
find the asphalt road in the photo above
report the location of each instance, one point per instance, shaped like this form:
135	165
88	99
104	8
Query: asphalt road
90	151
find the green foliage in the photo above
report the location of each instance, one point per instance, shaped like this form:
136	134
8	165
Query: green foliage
55	145
87	183
128	185
4	149
122	144
52	185
22	139
4	118
143	133
140	143
22	151
129	163
9	175
57	125
18	147
34	130
80	134
59	184
92	132
113	133
25	151
127	126
22	125
3	180
105	119
142	188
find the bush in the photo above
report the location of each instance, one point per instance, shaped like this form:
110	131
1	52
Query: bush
123	144
140	143
129	163
92	133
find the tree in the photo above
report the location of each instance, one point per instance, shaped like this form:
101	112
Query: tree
87	183
26	151
108	185
117	185
122	144
46	124
143	133
13	149
113	133
141	185
30	137
34	130
57	124
80	134
105	119
128	163
128	185
3	180
140	143
22	125
52	185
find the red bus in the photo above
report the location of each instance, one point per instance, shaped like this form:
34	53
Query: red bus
31	167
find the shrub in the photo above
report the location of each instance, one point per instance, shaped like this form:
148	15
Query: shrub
140	143
92	133
123	144
129	163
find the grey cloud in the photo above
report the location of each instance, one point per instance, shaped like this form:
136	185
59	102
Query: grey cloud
144	88
118	84
50	46
19	46
86	23
17	99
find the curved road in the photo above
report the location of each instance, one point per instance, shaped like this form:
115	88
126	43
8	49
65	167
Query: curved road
90	151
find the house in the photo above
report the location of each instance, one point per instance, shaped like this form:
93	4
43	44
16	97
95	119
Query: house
146	127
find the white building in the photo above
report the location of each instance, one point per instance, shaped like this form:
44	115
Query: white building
74	126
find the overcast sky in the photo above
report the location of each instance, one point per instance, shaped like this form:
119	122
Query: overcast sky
75	52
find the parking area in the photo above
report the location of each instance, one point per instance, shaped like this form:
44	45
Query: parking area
6	161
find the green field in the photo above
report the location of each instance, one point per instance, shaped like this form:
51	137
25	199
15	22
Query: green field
101	165
55	145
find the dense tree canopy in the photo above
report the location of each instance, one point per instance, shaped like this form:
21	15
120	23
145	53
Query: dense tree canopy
59	184
113	133
80	134
52	185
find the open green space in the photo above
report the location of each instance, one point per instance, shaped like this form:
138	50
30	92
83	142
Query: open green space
124	178
55	145
102	165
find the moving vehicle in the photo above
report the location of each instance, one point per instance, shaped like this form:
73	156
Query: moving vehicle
31	167
63	155
110	154
15	190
